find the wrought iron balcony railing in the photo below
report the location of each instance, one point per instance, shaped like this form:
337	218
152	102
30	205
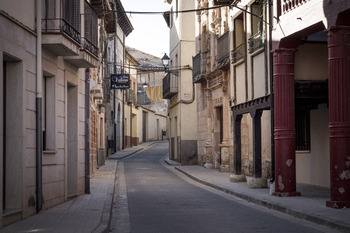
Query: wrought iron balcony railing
238	53
130	96
62	16
196	62
288	5
256	41
90	29
169	86
223	47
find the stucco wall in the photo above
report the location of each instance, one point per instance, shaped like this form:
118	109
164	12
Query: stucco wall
313	167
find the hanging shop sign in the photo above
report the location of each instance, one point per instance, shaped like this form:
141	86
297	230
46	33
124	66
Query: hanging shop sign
120	81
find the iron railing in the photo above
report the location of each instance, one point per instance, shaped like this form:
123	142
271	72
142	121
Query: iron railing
169	86
256	41
196	62
62	16
238	53
223	47
130	96
288	5
90	29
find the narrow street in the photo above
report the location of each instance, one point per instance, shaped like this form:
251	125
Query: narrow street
157	198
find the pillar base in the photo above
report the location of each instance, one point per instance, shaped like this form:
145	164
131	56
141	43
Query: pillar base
237	178
224	168
208	165
338	204
287	194
256	183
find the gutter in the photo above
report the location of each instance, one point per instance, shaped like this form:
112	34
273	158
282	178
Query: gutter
38	110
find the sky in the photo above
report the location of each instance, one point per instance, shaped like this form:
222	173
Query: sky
151	33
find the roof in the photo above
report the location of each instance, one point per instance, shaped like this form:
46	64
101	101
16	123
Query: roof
123	19
147	61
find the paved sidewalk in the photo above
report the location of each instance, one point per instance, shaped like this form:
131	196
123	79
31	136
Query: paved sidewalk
86	213
311	205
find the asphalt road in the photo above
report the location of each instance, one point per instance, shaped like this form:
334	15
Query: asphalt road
154	197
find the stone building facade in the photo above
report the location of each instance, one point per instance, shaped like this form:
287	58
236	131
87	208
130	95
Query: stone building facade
45	55
232	72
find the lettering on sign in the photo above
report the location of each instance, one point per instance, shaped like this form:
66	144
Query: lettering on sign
217	101
120	81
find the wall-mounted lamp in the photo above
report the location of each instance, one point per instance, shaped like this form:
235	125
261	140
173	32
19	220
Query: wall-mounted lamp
165	61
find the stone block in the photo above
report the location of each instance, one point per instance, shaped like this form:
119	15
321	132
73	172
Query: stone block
255	183
237	178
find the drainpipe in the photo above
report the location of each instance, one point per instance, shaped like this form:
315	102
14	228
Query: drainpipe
87	130
272	109
115	71
123	91
38	106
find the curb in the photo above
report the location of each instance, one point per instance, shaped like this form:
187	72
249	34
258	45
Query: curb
294	213
134	152
104	225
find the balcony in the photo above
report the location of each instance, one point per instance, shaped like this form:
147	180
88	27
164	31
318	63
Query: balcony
222	2
130	96
169	86
196	72
88	54
256	42
223	47
142	99
238	53
289	5
61	27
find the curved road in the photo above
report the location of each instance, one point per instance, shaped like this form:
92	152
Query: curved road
154	197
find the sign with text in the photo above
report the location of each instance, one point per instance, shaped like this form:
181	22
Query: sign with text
120	81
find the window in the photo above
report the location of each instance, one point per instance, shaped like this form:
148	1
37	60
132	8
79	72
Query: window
256	40
238	52
302	129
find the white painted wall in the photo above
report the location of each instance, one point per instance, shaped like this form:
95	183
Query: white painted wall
313	167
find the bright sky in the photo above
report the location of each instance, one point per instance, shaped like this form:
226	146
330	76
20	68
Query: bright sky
151	33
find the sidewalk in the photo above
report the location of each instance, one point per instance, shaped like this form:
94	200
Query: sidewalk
311	205
86	213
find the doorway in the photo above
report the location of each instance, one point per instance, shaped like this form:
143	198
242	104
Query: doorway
11	105
72	140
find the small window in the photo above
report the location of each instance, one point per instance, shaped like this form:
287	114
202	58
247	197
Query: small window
302	129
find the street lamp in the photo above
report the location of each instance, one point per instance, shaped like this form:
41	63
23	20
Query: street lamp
165	60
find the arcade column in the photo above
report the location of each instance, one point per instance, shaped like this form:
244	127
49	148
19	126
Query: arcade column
339	115
284	128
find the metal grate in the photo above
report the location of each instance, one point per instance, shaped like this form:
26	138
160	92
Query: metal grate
223	47
90	29
238	53
62	16
196	61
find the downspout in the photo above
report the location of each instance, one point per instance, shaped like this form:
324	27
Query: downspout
87	131
38	106
115	71
272	109
123	91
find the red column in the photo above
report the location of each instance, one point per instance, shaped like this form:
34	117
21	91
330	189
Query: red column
339	115
285	184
